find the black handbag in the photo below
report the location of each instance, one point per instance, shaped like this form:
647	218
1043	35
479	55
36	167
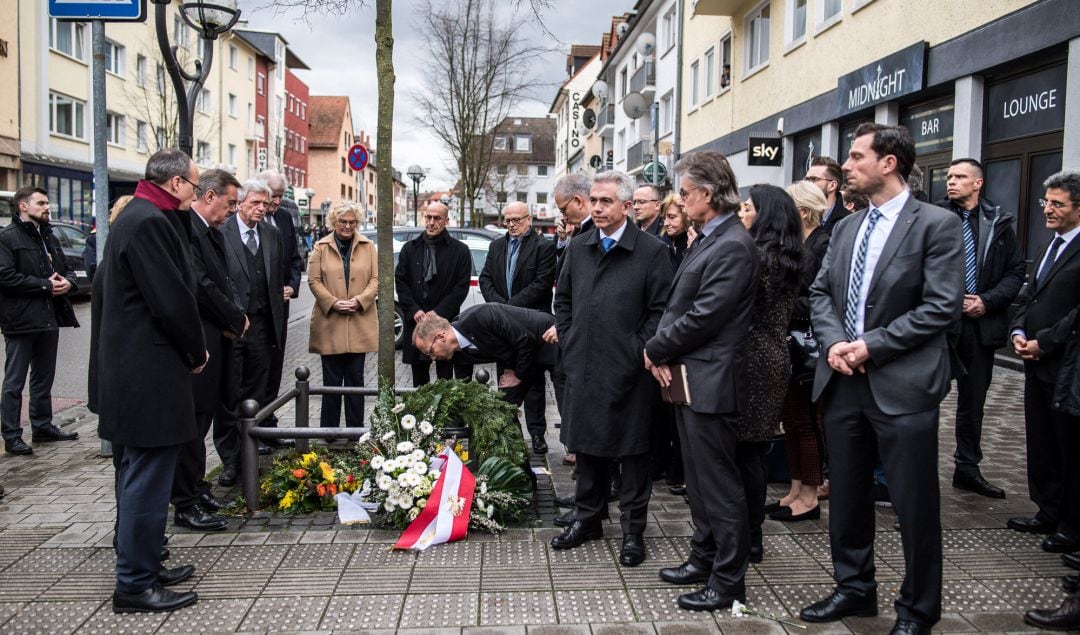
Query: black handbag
804	350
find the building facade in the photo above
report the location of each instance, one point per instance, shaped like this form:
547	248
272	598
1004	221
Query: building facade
295	159
329	140
523	169
10	156
571	121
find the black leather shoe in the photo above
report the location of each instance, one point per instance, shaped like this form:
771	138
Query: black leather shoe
563	520
565	501
1033	525
838	606
211	502
17	447
706	599
677	490
633	550
685	573
227	478
538	444
175	575
165	555
784	514
909	627
976	483
757	553
1064	618
1071	561
50	433
1060	543
156	599
577	534
1070	583
773	506
279	444
197	518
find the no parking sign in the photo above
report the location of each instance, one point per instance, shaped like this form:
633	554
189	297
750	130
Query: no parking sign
358	157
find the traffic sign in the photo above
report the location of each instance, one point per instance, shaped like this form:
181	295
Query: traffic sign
655	173
289	193
108	10
358	157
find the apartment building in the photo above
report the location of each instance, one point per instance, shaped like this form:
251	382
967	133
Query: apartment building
295	159
571	122
330	137
523	169
10	160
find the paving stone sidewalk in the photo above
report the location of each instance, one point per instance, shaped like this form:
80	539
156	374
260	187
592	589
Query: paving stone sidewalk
280	573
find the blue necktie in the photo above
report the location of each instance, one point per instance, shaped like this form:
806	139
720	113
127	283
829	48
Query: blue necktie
510	265
969	255
858	269
1048	264
607	242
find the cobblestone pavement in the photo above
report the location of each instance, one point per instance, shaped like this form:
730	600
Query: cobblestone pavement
277	573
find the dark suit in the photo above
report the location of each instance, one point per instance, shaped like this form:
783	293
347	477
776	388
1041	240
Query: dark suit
1046	314
293	265
220	314
835	214
258	284
145	343
532	282
914	299
607	305
719	276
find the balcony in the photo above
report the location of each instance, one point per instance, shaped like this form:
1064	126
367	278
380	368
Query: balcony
638	155
719	7
644	80
605	121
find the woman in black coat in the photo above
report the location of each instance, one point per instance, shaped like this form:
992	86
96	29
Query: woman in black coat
678	234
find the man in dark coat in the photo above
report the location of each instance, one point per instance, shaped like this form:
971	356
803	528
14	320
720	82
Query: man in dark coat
1044	323
253	255
432	276
520	271
719	277
993	275
647	210
145	347
222	320
610	296
825	173
34	287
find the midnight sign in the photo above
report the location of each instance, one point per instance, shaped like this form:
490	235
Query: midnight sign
902	73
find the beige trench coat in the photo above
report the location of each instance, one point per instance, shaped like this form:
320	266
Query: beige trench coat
333	333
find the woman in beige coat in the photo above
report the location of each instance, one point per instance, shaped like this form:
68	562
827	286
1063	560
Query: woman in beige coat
344	326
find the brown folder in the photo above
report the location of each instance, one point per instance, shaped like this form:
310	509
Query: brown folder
678	391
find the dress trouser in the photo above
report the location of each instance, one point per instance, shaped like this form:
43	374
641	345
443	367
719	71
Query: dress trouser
533	401
444	369
856	430
971	397
344	369
250	368
748	456
594	474
1053	444
277	365
142	508
189	482
34	353
721	540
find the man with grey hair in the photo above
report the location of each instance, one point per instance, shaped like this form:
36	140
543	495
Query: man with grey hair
1045	323
571	196
253	254
611	294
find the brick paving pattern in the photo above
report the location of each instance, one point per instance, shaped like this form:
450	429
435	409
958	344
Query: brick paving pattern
272	572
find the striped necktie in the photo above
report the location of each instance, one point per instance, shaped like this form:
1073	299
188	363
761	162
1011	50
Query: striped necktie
969	255
858	270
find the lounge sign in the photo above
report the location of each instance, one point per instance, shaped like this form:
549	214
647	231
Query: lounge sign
902	73
1027	105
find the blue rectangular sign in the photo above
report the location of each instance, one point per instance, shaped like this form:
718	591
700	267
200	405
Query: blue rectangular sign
108	10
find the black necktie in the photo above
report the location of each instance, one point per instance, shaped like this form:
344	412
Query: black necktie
1048	264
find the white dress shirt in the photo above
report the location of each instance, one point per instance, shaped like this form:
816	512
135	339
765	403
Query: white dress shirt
244	232
463	341
617	235
890	211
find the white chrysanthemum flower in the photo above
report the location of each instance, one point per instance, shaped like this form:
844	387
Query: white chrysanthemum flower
405	447
418	454
408	422
364	438
403	479
413	513
377	462
384	482
421	503
419	469
398	408
483	487
388	435
433	474
405	502
426	428
389	504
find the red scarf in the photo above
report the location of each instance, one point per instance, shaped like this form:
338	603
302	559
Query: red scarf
159	197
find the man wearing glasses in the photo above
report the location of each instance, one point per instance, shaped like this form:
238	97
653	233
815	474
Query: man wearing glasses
647	210
432	277
520	271
1044	324
826	174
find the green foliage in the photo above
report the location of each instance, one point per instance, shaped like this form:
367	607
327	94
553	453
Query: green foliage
503	475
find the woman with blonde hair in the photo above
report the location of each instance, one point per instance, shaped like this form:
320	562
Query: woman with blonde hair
677	232
343	277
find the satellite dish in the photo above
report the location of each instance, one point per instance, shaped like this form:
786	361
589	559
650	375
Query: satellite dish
634	105
589	118
622	29
600	88
582	130
595	161
646	44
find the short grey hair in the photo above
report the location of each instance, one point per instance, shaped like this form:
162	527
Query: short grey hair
271	177
165	164
1068	180
624	185
711	171
573	185
216	181
252	185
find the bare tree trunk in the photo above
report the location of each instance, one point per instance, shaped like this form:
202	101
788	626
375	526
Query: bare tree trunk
384	62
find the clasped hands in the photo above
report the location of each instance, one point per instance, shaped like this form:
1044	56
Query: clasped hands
660	372
347	306
1025	348
848	357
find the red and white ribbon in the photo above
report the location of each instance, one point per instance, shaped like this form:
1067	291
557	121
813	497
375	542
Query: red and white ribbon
445	518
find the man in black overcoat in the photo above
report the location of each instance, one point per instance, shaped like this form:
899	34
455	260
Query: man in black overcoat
520	271
611	293
146	344
223	320
253	255
432	276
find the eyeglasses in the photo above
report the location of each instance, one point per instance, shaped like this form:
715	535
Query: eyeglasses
514	221
348	223
1054	205
195	186
641	201
815	179
431	349
683	194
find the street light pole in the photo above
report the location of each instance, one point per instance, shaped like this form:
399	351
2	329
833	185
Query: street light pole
416	173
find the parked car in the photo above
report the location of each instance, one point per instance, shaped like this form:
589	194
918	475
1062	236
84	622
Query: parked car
405	234
72	241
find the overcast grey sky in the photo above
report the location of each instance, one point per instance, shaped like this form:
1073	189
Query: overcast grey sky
341	53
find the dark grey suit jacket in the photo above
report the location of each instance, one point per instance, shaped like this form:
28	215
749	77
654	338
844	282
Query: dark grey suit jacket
706	323
236	256
916	294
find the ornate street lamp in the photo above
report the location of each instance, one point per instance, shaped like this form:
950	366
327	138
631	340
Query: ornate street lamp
448	200
416	173
210	21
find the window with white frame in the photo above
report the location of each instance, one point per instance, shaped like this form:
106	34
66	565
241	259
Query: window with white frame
522	143
180	31
260	84
67	116
115	55
522	197
232	105
523	169
620	143
303	110
829	11
694	83
500	142
623	85
668	30
757	37
140	70
541	198
260	127
202	102
114	129
279	57
161	137
666	113
796	24
68	38
541	170
234	55
161	78
202	152
303	144
251	68
710	72
232	154
142	136
725	61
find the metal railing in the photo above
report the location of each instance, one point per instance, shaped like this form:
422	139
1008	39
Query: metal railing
638	154
606	117
644	78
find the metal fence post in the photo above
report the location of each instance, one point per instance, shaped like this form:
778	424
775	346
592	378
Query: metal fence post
303	404
249	454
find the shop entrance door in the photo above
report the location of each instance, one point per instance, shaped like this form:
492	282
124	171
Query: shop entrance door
1015	172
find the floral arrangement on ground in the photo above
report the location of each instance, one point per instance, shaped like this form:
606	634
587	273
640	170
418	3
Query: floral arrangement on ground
394	465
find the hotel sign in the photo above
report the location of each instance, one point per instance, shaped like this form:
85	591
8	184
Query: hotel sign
902	73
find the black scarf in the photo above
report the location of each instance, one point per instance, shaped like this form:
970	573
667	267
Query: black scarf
430	268
345	249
